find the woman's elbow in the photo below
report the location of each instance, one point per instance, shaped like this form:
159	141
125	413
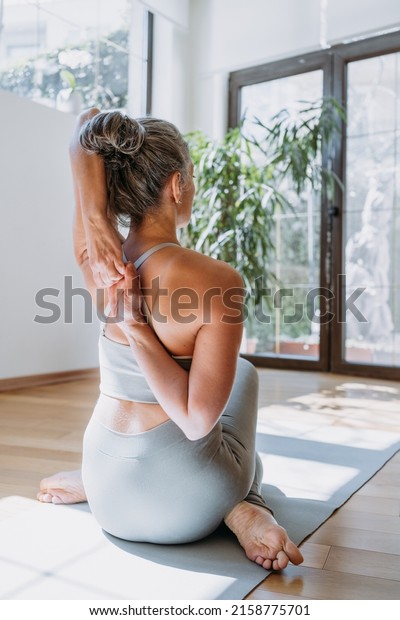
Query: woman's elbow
198	428
86	115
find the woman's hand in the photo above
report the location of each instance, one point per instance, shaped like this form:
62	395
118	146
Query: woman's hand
105	252
127	299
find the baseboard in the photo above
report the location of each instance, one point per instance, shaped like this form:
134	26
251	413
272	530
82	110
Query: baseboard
18	383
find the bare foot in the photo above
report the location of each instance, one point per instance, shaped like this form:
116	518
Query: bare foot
65	487
262	538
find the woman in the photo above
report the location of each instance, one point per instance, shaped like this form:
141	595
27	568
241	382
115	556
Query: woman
170	449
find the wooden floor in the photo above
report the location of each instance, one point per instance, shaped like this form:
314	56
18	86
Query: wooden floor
354	555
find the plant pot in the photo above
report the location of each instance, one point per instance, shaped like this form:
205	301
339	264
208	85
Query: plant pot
69	100
299	349
251	345
363	355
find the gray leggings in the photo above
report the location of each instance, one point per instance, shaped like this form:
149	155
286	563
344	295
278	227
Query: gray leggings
160	487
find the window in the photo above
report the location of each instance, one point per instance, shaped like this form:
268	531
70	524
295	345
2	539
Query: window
350	245
296	260
67	53
372	209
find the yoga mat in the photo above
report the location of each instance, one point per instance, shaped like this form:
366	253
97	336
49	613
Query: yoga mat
59	552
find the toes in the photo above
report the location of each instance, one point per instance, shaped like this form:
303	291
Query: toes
57	500
50	498
281	561
44	497
264	562
294	554
274	559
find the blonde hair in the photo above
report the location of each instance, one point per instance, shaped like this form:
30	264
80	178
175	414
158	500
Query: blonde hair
139	155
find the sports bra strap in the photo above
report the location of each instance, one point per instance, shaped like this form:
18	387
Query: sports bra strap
139	261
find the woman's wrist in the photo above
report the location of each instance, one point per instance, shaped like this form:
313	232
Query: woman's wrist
98	224
95	215
139	332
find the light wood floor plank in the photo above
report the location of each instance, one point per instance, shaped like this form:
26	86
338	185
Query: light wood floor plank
263	595
355	555
314	555
326	584
369	563
367	520
353	538
374	491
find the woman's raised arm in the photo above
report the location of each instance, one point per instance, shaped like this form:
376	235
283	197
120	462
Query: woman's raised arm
100	238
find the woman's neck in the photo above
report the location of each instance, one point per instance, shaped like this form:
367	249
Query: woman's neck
141	239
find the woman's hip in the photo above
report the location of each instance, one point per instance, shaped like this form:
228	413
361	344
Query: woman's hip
158	486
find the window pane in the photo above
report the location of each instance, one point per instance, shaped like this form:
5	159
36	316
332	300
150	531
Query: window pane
372	211
289	324
371	95
66	53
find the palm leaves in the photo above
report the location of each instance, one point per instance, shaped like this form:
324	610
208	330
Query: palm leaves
244	179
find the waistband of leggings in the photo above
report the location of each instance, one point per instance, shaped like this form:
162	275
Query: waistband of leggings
125	445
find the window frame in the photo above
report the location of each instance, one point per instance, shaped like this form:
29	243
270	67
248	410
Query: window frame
333	61
357	50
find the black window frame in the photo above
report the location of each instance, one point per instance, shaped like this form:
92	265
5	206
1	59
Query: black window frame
149	61
333	61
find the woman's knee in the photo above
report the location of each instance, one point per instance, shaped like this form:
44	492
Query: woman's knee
249	374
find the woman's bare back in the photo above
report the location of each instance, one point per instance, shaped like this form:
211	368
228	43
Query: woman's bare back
179	286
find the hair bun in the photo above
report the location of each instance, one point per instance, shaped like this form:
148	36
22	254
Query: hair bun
115	136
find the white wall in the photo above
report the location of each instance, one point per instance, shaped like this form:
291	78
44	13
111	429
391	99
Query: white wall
353	18
170	72
36	207
170	62
226	35
176	11
197	44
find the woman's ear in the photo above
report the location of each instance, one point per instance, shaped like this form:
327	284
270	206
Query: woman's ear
176	187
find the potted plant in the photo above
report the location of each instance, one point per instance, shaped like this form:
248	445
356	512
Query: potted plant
242	181
69	99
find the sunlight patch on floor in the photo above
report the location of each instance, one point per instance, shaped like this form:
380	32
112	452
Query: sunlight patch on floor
290	475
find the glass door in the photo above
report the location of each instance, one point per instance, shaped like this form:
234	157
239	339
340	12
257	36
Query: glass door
286	325
339	258
369	284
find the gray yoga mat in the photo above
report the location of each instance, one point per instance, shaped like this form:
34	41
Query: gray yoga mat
59	552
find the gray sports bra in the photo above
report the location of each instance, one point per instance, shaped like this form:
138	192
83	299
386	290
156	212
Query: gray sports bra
120	374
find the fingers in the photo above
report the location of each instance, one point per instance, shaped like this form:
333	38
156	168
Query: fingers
130	270
114	272
113	300
119	268
98	280
109	278
122	291
132	280
107	275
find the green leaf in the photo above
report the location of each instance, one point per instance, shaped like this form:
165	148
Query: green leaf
69	78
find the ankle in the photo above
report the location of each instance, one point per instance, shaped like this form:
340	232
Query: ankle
238	517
